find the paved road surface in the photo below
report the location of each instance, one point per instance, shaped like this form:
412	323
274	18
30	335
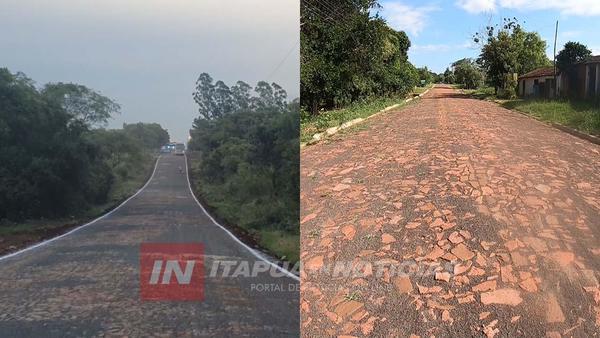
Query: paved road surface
501	213
86	284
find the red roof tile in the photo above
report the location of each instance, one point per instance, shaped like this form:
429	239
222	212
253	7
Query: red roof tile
540	72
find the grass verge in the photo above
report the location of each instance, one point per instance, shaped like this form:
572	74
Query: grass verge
581	115
284	244
313	124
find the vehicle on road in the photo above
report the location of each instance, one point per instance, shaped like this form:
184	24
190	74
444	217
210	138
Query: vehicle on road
179	149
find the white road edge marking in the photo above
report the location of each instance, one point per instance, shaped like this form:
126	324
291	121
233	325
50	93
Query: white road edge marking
252	251
85	225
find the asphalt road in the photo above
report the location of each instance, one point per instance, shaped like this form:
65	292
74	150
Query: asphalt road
464	219
87	282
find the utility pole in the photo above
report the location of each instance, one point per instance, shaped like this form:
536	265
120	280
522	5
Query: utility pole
555	84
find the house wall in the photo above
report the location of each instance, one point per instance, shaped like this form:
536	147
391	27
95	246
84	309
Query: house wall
560	85
597	80
579	90
527	83
591	82
575	88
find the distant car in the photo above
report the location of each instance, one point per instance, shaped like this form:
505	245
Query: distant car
179	149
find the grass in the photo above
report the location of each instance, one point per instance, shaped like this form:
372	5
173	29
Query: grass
313	124
285	245
121	190
581	115
352	296
481	93
9	228
420	90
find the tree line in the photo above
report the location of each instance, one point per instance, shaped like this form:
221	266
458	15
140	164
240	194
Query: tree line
248	142
55	158
507	49
348	54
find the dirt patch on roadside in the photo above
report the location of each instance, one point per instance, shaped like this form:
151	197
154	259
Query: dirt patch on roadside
13	242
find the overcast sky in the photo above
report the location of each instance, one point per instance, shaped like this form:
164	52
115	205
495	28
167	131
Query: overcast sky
147	54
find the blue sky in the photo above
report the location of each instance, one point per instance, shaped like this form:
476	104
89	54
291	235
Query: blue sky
440	31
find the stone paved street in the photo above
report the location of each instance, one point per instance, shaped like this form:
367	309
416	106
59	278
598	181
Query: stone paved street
87	283
497	214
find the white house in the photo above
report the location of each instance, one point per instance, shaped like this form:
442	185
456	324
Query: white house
537	83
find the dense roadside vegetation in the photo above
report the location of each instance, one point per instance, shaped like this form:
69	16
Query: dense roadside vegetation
348	55
245	160
57	165
352	64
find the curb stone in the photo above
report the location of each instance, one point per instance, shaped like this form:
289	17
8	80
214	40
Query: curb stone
574	132
333	130
568	130
577	133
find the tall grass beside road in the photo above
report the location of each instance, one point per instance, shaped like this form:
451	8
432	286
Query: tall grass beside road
581	115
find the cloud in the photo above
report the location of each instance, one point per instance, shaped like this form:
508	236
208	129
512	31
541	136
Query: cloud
566	7
440	48
430	48
407	18
569	34
477	6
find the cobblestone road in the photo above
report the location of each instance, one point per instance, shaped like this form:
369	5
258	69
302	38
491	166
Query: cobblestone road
86	284
460	218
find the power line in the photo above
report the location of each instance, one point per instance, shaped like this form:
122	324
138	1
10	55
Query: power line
282	61
315	10
330	7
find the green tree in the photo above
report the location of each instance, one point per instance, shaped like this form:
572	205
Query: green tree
47	166
348	54
440	78
204	97
508	49
449	76
572	53
248	169
83	104
148	135
425	75
53	163
241	95
467	73
531	52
